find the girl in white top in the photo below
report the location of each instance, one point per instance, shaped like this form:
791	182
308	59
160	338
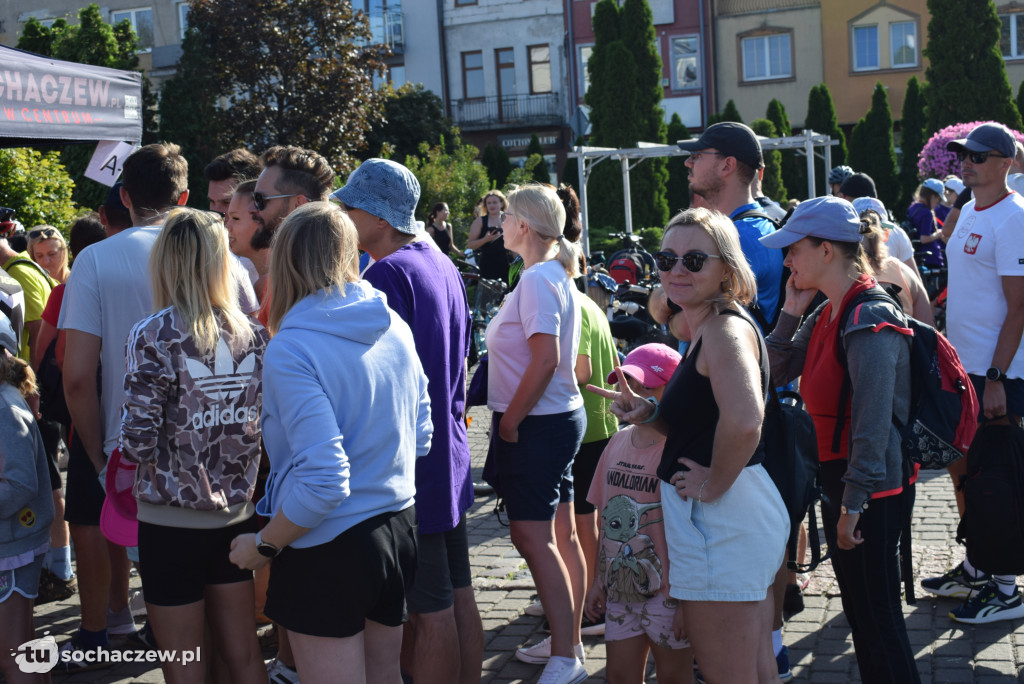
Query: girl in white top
539	419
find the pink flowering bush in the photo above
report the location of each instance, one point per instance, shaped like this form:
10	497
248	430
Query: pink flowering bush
938	162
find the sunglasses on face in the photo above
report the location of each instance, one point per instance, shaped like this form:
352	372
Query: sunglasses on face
692	261
259	200
45	233
977	157
695	156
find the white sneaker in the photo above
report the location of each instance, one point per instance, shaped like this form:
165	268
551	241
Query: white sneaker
535	609
279	673
540	653
563	671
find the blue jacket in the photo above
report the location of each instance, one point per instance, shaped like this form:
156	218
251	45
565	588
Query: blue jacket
345	413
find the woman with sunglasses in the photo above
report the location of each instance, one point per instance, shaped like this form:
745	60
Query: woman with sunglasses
862	472
539	419
725	523
47	248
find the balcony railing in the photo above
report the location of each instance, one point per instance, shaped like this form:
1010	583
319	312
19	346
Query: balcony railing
515	110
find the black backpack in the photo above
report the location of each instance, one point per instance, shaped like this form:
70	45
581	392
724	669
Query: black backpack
993	522
791	459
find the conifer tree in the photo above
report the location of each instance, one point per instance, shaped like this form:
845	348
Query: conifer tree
872	150
912	139
497	163
678	189
771	182
821	118
1020	98
966	72
794	168
730	113
541	172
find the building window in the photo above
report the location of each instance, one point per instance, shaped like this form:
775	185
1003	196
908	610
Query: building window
585	52
540	69
141	20
865	48
1011	37
685	62
767	57
183	18
473	74
504	59
902	44
463	3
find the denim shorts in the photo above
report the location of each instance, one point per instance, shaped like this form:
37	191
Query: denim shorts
651	618
536	471
728	550
24	579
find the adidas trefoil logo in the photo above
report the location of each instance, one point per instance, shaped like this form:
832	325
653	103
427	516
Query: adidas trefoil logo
223	384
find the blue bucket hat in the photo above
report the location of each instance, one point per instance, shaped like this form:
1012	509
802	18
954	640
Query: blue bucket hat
384	189
828	218
986	138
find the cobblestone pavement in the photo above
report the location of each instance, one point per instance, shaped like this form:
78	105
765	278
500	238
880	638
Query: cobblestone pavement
820	647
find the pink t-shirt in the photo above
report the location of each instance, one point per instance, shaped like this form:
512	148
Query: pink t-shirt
632	554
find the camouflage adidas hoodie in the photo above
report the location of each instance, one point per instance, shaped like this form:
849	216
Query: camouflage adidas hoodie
191	422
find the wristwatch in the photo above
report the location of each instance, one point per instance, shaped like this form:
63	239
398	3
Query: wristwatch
265	549
994	374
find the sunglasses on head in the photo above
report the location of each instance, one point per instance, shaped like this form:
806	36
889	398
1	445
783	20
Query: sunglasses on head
977	157
46	233
692	261
259	200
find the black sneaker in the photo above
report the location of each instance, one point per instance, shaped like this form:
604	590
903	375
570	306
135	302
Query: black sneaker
989	605
144	639
956	583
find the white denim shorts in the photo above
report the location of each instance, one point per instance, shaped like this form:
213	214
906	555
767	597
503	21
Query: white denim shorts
729	550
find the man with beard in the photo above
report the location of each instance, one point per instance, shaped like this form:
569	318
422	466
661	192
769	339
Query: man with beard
291	177
723	163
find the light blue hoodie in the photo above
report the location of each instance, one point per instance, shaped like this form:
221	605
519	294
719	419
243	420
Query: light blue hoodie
345	413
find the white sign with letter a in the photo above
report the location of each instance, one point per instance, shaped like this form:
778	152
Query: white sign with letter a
105	165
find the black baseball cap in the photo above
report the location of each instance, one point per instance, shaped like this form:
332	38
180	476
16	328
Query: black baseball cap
731	139
858	185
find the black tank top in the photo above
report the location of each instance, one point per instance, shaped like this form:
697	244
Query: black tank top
443	239
492	258
688	405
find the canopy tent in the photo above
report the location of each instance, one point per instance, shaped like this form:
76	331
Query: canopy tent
589	157
46	101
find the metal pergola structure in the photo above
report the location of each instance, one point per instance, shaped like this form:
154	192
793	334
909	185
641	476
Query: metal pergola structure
589	157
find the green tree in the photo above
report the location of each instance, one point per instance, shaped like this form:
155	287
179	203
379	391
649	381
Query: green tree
730	113
1020	98
771	183
571	170
912	139
966	72
296	72
37	186
539	171
794	168
455	177
497	163
412	114
678	175
872	150
821	118
37	38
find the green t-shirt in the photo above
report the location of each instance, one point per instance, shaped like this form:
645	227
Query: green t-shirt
36	286
596	342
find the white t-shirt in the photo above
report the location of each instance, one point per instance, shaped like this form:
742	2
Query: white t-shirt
985	246
541	303
107	294
898	243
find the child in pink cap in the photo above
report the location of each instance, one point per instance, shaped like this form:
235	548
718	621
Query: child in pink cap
630	588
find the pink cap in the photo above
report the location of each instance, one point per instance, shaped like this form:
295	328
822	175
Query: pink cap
650	364
119	517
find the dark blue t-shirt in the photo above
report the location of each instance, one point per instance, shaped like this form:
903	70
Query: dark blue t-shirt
766	263
424	288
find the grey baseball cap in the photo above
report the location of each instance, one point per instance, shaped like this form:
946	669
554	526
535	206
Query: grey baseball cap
985	138
828	218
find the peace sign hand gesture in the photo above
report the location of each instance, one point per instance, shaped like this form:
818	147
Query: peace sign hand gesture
627	405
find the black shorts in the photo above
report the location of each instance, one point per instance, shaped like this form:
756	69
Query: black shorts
331	589
583	468
442	566
83	500
177	563
51	434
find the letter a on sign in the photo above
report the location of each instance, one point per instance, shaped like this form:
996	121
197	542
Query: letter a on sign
105	165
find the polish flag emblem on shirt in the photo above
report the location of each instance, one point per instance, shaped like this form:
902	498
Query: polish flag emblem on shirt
971	246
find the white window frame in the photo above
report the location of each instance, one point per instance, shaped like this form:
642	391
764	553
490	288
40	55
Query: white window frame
676	85
1016	49
854	52
767	40
183	18
583	61
894	48
131	12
